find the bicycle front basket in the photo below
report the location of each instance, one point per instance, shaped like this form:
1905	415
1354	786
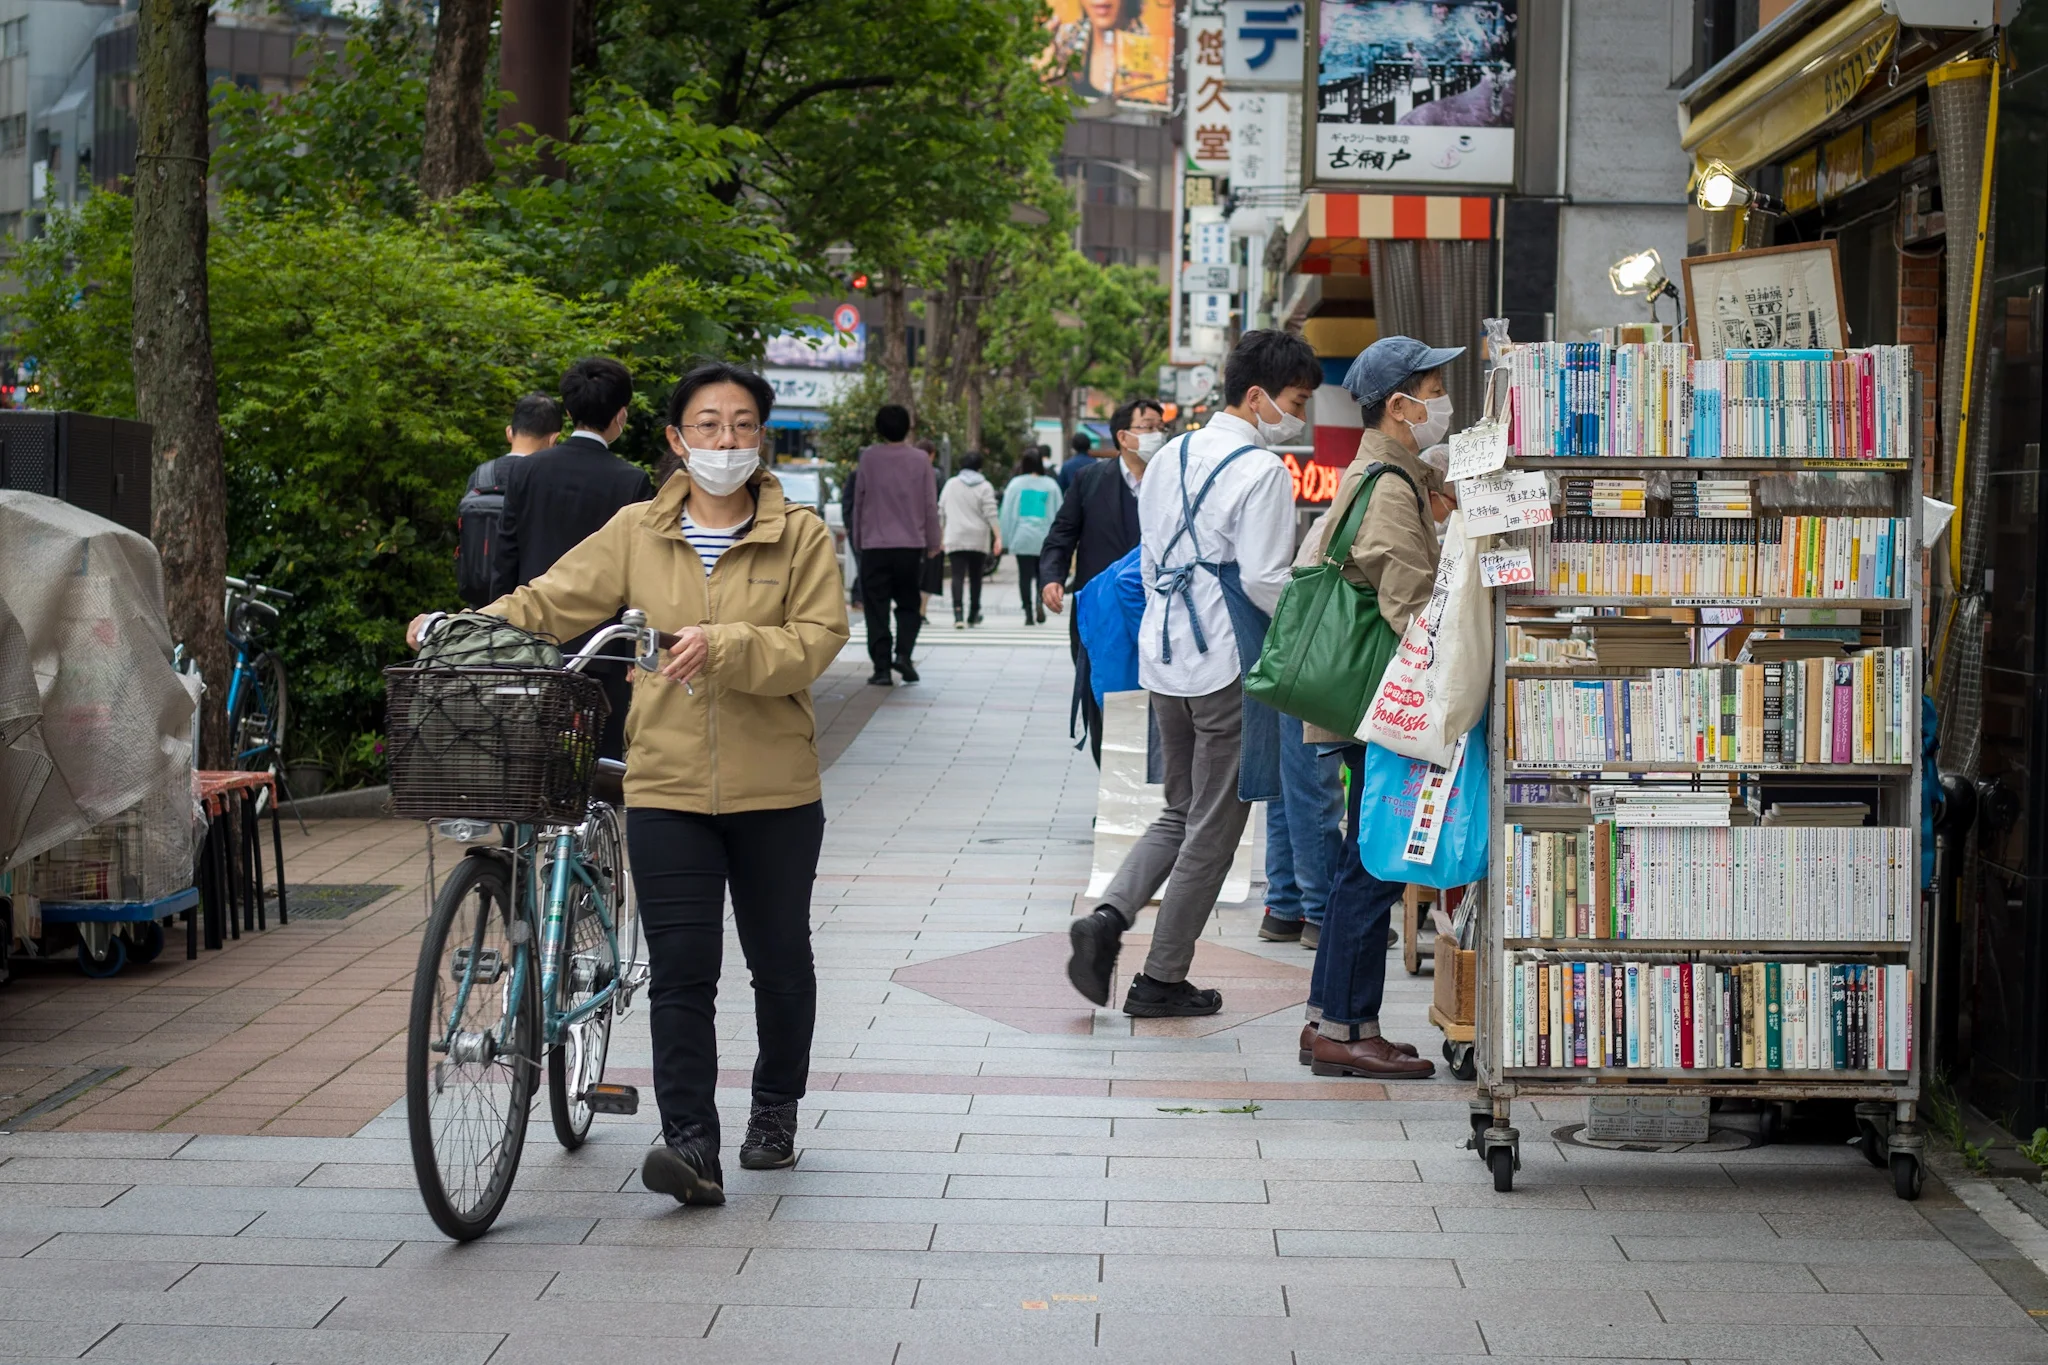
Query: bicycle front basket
513	744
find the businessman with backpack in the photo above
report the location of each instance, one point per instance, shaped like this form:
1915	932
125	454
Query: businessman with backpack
536	422
1216	533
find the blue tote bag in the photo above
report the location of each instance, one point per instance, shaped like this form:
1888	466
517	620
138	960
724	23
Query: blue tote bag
1387	816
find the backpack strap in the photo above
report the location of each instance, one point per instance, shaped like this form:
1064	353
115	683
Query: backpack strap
1180	580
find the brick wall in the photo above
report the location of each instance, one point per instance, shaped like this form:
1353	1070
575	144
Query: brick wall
1919	327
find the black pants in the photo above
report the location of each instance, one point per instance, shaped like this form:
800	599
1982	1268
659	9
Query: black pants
967	567
682	865
1027	585
890	576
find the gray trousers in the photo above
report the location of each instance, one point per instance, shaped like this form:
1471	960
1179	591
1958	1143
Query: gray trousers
1196	836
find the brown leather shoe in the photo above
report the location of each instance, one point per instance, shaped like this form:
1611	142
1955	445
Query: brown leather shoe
1375	1058
1308	1043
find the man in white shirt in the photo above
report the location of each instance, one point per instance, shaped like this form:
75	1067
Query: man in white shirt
1240	542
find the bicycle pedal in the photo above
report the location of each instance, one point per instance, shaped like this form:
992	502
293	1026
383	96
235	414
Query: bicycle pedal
612	1099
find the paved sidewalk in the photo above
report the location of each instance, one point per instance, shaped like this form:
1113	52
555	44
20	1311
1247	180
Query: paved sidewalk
993	1172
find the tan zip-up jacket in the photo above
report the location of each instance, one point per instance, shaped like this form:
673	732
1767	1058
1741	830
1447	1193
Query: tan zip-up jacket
1395	550
774	612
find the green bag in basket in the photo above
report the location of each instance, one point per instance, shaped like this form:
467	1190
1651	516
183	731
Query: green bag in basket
466	639
1328	643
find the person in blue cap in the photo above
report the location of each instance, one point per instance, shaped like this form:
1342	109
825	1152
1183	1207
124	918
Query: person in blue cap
1399	385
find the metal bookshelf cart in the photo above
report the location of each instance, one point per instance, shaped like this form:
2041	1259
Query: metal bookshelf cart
1886	1101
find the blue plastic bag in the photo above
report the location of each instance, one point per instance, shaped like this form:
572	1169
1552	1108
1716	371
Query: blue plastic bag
1107	613
1387	811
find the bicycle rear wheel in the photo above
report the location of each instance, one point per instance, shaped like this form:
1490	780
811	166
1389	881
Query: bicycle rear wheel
604	849
257	728
469	1079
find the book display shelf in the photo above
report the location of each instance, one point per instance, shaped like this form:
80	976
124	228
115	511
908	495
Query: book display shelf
1704	860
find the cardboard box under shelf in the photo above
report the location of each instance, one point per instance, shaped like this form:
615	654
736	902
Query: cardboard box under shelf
1455	969
1646	1118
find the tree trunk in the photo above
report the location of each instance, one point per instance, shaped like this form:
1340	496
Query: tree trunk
583	41
456	154
896	336
941	327
967	344
173	344
973	406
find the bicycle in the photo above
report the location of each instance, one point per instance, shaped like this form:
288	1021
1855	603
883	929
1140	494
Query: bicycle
257	697
531	944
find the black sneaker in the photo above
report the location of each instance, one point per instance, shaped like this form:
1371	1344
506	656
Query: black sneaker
881	678
907	669
1096	938
1149	999
1276	930
687	1170
771	1137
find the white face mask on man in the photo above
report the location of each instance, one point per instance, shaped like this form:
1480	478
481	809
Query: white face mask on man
1431	428
1148	444
1282	429
719	472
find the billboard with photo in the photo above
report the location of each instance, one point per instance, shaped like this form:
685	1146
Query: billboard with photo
837	342
1415	93
1114	49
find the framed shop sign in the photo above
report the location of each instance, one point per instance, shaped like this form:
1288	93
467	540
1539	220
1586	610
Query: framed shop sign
1773	297
1412	93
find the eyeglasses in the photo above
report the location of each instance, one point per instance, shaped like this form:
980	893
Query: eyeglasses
746	429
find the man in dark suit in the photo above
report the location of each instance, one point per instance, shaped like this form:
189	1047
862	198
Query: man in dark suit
1097	525
557	497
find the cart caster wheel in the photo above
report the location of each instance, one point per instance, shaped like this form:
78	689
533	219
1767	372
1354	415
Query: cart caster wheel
1906	1175
113	960
1501	1160
147	942
1463	1064
1871	1143
1770	1125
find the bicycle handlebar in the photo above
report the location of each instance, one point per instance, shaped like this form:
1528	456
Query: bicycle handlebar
260	590
648	642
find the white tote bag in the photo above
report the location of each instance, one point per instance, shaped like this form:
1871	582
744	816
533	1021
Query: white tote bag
1436	684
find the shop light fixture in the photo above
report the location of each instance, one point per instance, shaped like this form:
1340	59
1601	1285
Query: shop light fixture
1721	189
1642	275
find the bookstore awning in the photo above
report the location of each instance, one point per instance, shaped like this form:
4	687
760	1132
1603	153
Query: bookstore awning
1330	234
1795	92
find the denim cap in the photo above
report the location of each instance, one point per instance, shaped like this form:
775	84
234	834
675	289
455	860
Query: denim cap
1383	367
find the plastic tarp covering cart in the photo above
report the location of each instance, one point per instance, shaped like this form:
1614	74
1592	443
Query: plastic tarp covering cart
85	601
1125	804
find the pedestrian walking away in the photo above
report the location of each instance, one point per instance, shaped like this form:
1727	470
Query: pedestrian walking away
721	784
1097	525
558	497
896	525
967	517
535	426
1029	501
1081	457
1217	535
1398	382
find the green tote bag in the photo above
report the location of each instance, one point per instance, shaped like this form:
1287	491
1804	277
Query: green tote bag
1328	643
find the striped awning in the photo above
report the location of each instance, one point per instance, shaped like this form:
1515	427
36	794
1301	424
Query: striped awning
1329	237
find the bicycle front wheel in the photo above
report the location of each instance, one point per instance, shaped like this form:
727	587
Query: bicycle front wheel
258	725
471	1056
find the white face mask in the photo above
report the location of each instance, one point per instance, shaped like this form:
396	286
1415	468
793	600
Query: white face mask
1430	429
1280	432
1148	444
719	472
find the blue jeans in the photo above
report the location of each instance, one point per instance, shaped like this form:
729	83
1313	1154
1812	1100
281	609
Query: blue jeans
1350	975
1304	829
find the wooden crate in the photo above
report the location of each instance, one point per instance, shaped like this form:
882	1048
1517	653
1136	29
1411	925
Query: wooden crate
1456	972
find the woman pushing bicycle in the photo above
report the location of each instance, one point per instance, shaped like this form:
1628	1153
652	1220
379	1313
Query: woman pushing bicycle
721	782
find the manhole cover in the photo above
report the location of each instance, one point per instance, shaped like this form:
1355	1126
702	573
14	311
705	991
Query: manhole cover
1718	1140
334	900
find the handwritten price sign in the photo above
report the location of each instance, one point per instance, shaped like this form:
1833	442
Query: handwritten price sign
1501	568
1495	503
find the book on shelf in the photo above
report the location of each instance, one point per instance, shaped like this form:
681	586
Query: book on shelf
1659	556
1655	401
1605	497
1560	1013
1698	876
1715	498
1859	709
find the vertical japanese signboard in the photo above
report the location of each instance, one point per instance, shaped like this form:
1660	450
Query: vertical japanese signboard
1208	104
1409	92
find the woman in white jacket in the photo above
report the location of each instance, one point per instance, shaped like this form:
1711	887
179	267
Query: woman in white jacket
968	515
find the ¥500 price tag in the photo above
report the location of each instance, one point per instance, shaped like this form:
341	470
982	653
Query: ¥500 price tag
1502	568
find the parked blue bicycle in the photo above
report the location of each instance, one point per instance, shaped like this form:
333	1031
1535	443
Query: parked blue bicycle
531	946
257	696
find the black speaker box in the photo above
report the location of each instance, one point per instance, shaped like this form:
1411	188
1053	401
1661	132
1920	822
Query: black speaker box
98	463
